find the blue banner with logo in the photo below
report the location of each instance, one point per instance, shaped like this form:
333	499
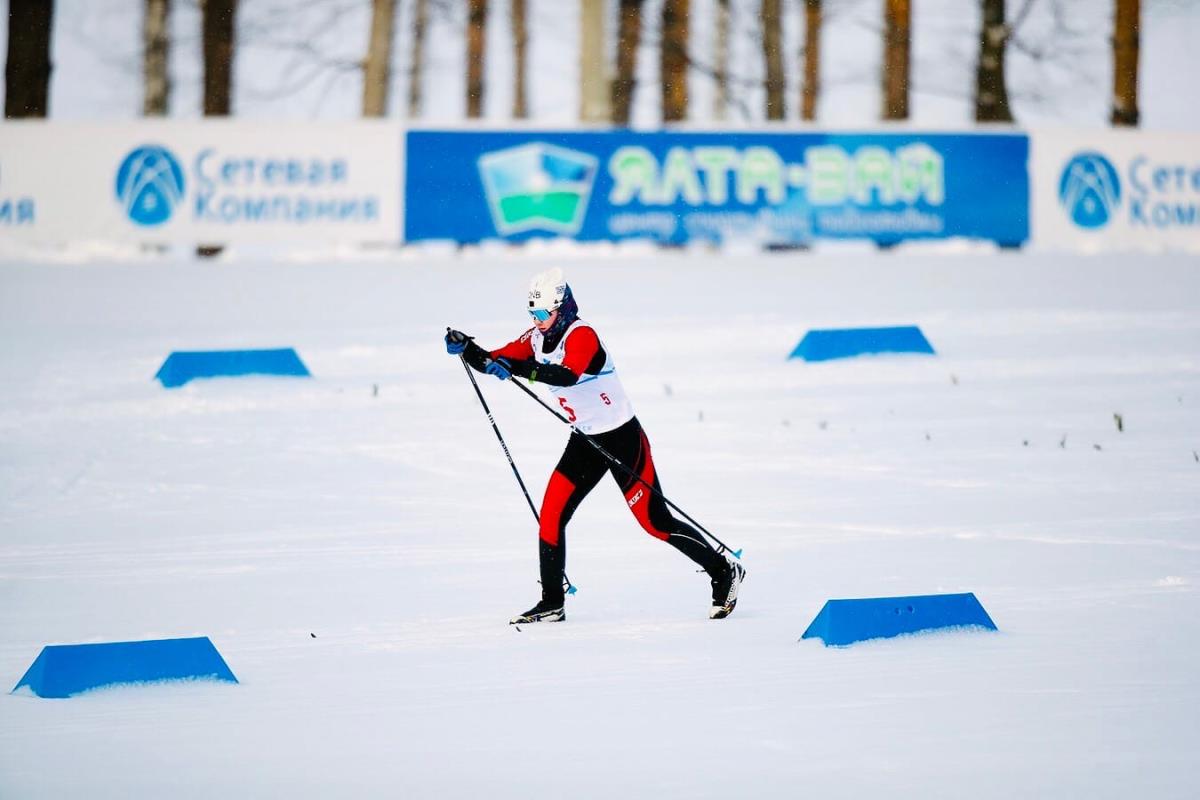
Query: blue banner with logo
1100	191
771	188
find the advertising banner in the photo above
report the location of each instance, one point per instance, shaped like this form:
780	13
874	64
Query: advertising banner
212	181
20	186
770	188
1116	190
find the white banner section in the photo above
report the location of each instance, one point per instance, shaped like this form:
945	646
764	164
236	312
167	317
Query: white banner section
1115	190
204	182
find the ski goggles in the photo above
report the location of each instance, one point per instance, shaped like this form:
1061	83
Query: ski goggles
540	314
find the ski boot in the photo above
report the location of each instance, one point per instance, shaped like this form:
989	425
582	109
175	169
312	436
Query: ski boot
725	589
545	611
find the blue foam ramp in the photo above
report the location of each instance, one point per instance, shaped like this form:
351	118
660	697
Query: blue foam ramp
181	367
63	670
824	345
843	622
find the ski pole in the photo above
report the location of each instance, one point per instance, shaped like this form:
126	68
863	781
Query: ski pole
617	462
511	463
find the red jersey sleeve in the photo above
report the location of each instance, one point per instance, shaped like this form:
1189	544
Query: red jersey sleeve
518	350
581	347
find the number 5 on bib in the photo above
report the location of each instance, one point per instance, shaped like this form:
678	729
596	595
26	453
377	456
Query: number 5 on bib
562	401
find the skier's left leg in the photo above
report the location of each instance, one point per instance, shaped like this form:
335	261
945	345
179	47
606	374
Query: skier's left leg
632	448
650	509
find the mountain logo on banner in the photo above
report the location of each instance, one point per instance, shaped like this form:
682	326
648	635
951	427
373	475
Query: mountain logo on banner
538	187
150	185
1089	190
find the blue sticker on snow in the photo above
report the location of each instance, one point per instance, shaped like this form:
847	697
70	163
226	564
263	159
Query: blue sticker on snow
844	622
825	345
66	670
182	367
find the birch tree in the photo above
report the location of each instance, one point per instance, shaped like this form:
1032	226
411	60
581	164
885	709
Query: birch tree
1126	47
416	67
721	62
156	51
991	88
594	100
811	87
377	69
897	32
218	45
673	54
27	71
520	32
773	57
476	46
629	34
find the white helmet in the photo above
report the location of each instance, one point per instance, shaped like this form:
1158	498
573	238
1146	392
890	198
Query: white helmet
547	291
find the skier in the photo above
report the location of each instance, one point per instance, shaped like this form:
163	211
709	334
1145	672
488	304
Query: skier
564	352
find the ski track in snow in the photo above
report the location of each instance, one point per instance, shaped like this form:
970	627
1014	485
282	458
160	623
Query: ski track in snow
354	544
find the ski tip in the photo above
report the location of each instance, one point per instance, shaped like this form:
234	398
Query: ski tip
737	554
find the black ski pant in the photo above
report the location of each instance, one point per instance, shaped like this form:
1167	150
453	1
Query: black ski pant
579	470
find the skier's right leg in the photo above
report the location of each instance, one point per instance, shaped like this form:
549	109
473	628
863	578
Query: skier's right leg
579	470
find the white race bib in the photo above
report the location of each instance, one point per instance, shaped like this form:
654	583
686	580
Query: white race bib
597	403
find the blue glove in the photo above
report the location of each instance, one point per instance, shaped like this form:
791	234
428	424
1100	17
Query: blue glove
456	342
498	367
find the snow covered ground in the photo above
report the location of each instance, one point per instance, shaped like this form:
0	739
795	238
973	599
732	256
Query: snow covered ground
354	544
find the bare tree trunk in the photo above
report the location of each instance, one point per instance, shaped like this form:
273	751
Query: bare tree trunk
27	72
594	100
377	71
1126	46
219	27
991	89
673	56
773	55
218	55
721	59
476	43
812	60
629	36
156	50
420	22
520	33
897	27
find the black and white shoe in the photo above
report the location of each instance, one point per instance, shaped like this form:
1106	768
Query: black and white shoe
725	590
542	612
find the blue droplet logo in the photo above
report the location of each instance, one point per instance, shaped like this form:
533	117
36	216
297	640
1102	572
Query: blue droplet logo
1089	190
150	185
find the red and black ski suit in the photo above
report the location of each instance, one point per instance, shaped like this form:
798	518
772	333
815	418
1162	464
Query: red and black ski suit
582	465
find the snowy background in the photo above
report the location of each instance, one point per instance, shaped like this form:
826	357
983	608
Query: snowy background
265	512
